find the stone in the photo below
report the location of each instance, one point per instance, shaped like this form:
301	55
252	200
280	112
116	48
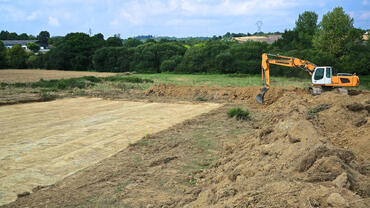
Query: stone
336	200
342	181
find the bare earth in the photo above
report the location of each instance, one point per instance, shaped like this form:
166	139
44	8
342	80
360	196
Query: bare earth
297	150
268	39
32	75
41	143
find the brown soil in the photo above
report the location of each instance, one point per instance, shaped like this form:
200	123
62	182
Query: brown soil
31	75
243	94
298	150
268	39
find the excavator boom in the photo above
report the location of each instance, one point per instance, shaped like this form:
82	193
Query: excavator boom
282	61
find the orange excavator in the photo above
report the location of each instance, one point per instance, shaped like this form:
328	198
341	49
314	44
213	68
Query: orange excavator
322	76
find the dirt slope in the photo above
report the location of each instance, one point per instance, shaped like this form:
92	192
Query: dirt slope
299	157
243	94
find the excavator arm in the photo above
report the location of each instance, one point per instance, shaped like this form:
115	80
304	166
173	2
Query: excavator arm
282	61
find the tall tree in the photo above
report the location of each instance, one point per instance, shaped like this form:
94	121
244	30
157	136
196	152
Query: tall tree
114	41
98	36
132	42
306	26
23	36
33	47
334	30
307	22
16	57
13	36
4	35
2	55
73	52
43	37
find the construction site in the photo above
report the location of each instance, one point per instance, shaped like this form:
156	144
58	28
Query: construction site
184	104
175	146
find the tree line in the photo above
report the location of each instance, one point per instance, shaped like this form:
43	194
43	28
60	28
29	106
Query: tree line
334	41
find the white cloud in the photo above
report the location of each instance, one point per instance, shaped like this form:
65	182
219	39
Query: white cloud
53	21
11	13
365	15
144	12
34	15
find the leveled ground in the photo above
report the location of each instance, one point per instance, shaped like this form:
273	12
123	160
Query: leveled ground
42	143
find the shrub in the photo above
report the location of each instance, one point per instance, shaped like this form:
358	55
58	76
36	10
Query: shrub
318	109
62	84
92	79
3	61
168	66
127	79
238	113
202	99
16	57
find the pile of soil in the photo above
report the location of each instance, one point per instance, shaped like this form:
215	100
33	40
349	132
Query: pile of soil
245	94
308	151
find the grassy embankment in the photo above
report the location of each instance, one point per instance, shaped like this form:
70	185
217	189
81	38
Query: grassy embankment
79	86
237	80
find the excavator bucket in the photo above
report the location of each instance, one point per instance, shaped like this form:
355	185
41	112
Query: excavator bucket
261	95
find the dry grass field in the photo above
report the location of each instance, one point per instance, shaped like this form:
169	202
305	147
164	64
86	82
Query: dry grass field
31	75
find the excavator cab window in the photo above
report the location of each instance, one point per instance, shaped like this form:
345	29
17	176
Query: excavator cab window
328	72
319	73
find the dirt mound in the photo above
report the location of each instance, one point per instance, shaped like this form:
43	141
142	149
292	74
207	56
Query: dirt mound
247	94
301	155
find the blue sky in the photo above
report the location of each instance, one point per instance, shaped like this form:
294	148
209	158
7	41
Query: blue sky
180	18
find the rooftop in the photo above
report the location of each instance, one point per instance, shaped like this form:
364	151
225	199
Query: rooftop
18	42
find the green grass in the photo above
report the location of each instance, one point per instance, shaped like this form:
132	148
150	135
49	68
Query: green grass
364	82
144	81
313	112
235	80
238	113
222	80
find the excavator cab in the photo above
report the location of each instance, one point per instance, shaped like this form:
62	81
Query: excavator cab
322	75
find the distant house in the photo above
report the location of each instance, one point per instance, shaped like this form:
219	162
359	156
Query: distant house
365	36
23	43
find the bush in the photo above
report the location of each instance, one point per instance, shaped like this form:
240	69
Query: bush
32	62
112	59
168	66
17	57
238	113
62	84
92	79
313	112
2	55
33	47
74	52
